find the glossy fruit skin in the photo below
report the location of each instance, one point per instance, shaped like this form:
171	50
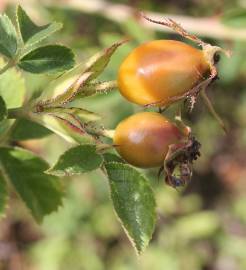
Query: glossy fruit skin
143	139
158	70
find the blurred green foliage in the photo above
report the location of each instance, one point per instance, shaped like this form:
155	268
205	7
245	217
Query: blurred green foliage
203	227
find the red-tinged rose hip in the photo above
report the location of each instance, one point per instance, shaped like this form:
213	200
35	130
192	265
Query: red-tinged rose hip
143	139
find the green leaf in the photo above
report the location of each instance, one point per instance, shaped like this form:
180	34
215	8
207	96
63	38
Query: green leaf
8	37
50	58
26	130
133	201
3	109
110	157
3	194
41	193
77	160
235	18
32	33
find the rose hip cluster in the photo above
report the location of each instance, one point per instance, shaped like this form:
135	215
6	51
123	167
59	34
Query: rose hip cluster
157	74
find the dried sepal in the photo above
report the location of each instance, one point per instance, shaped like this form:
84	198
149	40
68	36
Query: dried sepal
180	156
178	162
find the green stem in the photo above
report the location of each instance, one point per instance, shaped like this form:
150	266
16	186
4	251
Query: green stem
212	110
180	124
16	113
12	62
7	66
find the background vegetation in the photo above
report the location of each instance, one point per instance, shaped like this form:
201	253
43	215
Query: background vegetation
203	227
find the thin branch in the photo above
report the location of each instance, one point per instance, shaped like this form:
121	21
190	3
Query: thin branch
206	26
212	110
